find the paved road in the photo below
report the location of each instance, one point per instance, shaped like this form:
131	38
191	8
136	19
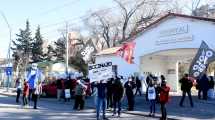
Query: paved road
50	110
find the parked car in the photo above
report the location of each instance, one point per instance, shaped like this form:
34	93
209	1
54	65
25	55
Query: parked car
50	89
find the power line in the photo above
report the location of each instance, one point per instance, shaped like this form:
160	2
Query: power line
59	7
80	18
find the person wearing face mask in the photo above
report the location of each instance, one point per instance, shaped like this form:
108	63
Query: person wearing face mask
129	86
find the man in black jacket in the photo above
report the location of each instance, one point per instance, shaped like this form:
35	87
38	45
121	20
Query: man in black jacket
129	86
118	91
186	85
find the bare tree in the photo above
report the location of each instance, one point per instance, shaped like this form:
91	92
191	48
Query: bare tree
111	28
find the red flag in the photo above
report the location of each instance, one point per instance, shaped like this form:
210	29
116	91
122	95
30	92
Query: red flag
126	52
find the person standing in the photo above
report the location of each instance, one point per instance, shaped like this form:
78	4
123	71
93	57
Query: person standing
203	86
37	91
129	86
151	95
118	91
67	91
18	89
110	93
25	93
186	85
101	98
138	86
80	92
211	88
59	89
164	98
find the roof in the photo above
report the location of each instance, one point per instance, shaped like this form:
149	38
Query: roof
108	51
169	15
180	15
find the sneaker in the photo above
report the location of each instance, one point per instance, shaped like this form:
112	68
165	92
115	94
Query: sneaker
113	114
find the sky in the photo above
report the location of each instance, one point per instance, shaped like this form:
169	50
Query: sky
49	14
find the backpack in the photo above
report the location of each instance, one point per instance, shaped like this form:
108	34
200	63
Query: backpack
164	94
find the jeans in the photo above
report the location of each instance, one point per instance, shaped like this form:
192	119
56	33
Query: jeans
79	101
152	106
59	93
117	104
30	94
25	100
183	97
109	100
138	90
130	99
18	95
35	97
163	111
204	94
101	102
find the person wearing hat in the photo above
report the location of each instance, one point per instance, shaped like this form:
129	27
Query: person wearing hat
164	97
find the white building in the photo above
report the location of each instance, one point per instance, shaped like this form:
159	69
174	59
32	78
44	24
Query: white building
166	47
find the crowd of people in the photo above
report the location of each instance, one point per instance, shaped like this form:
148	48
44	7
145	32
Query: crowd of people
29	93
110	93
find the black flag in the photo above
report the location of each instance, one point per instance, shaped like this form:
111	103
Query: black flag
203	58
88	51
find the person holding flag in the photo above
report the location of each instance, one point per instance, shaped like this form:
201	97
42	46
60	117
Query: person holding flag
34	79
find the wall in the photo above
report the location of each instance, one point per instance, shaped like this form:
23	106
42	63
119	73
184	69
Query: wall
172	33
147	42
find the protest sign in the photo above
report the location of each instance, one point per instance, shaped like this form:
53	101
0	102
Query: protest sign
101	71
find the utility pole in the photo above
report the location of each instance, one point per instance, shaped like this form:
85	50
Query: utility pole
9	62
67	51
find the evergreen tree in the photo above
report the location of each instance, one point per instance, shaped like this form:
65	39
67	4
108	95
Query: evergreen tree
22	48
37	49
60	49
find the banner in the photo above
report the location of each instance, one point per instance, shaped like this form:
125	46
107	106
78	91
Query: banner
203	58
102	71
88	51
126	52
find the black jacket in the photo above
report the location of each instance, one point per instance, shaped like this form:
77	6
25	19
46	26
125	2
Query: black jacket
118	90
186	84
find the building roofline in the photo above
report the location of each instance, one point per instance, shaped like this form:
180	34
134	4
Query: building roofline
165	17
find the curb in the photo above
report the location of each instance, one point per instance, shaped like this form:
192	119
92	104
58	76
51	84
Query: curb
7	94
145	115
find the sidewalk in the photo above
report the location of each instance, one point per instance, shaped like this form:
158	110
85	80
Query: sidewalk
202	109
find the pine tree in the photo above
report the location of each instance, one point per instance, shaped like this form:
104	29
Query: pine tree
60	49
22	48
37	49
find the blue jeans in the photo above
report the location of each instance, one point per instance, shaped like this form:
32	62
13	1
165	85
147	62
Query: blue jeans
101	102
152	106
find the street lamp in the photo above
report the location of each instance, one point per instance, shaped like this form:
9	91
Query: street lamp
8	54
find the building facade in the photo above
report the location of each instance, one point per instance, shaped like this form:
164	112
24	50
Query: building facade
166	47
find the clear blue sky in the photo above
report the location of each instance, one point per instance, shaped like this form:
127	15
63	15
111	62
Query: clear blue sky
43	13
